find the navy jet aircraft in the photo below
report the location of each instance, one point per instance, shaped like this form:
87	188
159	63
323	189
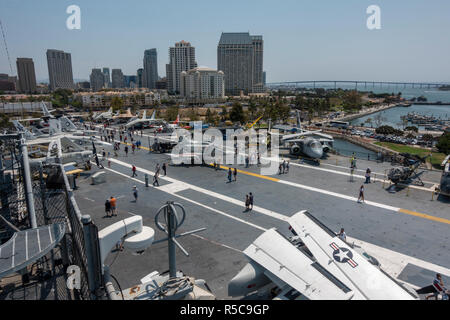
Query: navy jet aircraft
313	264
312	144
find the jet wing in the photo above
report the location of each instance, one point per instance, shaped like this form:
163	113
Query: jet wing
297	135
346	264
70	146
283	260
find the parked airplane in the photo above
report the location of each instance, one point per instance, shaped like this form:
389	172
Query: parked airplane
312	144
144	122
123	117
313	264
103	115
177	124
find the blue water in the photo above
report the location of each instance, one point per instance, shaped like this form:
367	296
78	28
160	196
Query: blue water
392	116
345	148
432	94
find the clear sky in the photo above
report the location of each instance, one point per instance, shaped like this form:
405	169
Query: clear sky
303	40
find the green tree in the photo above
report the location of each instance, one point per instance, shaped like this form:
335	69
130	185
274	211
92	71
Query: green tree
252	108
117	104
4	121
443	144
192	114
237	113
172	113
412	128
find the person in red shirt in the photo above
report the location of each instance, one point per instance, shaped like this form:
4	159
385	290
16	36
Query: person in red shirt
112	202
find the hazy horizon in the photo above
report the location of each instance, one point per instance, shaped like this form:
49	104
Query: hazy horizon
303	40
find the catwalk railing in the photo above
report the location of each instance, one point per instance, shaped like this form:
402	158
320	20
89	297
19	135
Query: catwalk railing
54	202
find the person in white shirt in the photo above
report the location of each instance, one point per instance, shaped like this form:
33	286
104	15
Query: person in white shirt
342	235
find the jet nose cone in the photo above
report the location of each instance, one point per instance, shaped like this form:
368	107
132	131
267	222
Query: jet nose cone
318	153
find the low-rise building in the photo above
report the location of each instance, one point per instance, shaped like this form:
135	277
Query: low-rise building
140	98
202	83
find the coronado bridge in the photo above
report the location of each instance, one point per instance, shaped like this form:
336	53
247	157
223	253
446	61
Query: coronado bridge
356	83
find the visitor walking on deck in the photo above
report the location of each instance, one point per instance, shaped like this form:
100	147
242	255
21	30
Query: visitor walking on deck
107	207
164	167
361	194
247	203
133	169
235	174
155	179
229	175
368	172
113	202
250	198
342	235
135	193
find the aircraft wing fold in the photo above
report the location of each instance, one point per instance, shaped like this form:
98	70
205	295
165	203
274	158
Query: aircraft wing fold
282	259
367	280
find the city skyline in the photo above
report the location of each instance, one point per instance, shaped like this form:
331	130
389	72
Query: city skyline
303	41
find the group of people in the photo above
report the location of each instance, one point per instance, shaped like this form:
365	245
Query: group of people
283	167
231	174
110	207
155	176
249	202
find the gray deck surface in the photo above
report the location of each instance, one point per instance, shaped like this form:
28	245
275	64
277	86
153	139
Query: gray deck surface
215	253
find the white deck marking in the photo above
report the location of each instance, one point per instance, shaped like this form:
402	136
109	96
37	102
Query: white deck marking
216	243
184	185
192	201
393	262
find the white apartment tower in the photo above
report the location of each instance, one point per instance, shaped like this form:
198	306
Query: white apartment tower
202	83
181	58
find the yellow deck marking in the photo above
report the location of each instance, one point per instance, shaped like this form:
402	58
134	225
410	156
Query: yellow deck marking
250	173
405	211
129	144
424	216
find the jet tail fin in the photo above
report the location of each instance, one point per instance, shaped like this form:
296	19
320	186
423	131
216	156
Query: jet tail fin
20	128
66	124
54	126
299	120
144	115
45	110
153	115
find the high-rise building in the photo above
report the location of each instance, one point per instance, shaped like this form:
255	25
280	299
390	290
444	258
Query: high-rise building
202	83
97	79
7	83
264	79
107	78
27	75
240	57
181	58
161	84
117	78
60	69
140	78
130	81
150	68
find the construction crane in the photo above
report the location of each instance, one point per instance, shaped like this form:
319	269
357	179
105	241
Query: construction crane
6	47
